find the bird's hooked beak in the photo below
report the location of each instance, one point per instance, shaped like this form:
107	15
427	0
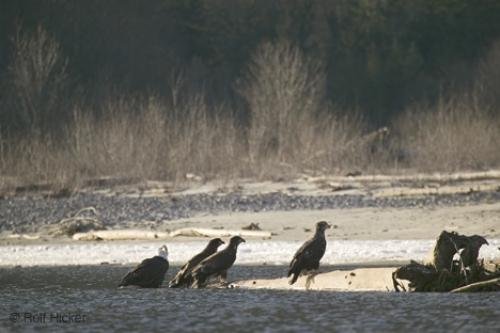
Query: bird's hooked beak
482	240
328	225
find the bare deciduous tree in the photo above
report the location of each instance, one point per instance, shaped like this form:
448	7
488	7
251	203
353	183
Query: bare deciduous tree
38	75
284	91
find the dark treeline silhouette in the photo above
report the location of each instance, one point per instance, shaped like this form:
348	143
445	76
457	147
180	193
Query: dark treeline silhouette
379	56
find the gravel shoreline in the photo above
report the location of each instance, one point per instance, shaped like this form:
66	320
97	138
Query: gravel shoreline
30	213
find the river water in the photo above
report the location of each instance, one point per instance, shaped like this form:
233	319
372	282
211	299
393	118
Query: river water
85	298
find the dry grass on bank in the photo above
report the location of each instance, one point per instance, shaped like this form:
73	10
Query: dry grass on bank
149	146
450	136
153	146
292	130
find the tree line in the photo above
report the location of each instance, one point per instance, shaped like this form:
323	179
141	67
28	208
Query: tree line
378	56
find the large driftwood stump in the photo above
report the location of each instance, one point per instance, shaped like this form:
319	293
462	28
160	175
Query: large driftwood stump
446	274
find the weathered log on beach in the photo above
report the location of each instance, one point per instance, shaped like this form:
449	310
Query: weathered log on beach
204	232
135	234
445	274
488	285
84	220
23	236
420	276
125	234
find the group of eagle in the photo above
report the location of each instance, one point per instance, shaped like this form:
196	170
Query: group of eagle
150	273
209	263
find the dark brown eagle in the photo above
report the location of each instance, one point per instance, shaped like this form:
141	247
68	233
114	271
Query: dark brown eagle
447	245
471	251
217	264
308	256
183	277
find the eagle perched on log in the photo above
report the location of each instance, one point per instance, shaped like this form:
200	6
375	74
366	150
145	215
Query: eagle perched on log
308	256
150	273
447	244
446	273
217	264
471	251
183	277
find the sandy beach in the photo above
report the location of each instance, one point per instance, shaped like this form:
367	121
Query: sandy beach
376	220
361	279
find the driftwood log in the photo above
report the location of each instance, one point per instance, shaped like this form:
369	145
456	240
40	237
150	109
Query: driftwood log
446	274
130	234
488	285
124	234
205	232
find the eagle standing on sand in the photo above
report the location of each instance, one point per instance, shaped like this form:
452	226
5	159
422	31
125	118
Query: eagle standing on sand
217	264
308	256
150	273
183	277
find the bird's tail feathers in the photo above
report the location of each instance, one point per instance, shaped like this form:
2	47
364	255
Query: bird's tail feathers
197	280
290	269
124	283
174	284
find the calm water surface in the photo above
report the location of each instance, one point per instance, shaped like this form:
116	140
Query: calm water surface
31	299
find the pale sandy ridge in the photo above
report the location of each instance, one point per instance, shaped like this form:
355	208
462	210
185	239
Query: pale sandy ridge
361	279
348	224
411	184
362	223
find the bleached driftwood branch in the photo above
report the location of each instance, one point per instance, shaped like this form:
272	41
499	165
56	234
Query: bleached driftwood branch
24	236
204	232
478	286
128	234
